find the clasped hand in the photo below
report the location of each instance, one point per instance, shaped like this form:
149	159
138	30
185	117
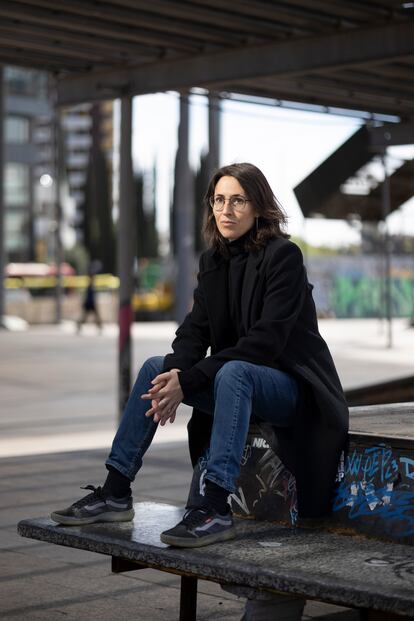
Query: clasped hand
165	396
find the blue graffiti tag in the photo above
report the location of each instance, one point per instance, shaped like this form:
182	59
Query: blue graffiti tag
370	488
409	473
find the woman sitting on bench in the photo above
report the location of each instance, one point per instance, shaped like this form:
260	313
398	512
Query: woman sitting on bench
253	306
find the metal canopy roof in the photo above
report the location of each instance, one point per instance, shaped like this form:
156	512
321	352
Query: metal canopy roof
357	54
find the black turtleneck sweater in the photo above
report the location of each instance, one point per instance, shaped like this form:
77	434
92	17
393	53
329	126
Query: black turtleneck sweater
193	380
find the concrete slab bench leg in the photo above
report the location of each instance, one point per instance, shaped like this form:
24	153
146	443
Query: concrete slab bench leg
375	615
265	606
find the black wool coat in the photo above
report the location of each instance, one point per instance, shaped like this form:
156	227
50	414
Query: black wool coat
280	330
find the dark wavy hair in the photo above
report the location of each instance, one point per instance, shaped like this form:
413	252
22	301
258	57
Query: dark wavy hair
272	219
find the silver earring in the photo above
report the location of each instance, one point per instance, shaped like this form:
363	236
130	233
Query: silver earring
257	223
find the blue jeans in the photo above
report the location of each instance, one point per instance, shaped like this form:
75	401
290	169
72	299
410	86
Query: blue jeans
240	390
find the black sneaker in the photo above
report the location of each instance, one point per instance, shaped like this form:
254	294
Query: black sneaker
99	506
200	526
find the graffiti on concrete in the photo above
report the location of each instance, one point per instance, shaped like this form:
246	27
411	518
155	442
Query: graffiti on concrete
264	481
275	478
374	493
402	568
363	296
354	286
378	482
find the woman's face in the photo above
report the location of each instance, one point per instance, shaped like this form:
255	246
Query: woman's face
230	222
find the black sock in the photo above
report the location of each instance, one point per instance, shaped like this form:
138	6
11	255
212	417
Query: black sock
116	483
216	497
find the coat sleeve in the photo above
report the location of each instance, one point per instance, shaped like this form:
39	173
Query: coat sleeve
285	290
192	339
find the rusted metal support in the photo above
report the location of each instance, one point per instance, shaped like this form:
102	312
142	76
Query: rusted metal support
2	210
213	132
184	217
188	598
125	252
386	209
58	168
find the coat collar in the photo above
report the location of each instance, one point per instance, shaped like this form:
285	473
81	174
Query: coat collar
213	260
214	279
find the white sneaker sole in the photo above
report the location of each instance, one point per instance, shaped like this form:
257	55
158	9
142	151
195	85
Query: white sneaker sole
182	542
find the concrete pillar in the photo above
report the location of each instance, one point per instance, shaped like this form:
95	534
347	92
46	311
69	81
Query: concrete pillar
184	217
213	132
2	210
125	252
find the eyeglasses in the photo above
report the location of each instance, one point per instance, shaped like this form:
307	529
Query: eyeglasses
236	202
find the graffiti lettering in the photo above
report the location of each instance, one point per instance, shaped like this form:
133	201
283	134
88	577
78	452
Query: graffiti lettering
409	467
372	460
260	443
240	499
402	568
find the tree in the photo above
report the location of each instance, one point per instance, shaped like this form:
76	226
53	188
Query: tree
98	226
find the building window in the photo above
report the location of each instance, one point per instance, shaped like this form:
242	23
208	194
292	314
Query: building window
17	130
16	184
16	229
29	82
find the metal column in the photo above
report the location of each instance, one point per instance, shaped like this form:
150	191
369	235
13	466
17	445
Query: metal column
58	251
184	214
213	132
188	598
386	208
125	251
2	211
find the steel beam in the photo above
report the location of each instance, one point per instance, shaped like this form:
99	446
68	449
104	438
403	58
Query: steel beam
92	27
184	216
213	132
252	21
125	251
310	90
188	598
110	47
2	210
141	20
386	210
391	134
285	58
58	173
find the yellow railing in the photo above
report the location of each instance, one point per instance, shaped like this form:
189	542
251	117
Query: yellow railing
101	281
159	299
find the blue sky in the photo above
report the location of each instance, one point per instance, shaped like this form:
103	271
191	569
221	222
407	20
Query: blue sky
286	144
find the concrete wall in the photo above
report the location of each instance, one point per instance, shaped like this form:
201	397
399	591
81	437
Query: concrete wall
41	309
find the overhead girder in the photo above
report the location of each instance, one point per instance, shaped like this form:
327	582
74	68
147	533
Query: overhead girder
222	69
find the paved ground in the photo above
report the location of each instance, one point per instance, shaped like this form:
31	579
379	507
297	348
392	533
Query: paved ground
58	415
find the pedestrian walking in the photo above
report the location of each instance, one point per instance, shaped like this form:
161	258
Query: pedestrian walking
89	305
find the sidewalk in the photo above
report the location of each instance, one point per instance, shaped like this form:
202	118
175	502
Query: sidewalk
58	416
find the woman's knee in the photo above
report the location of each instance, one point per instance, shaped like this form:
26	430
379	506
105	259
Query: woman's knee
231	370
153	365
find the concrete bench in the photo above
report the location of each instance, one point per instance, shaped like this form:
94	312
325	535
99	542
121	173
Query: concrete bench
330	567
372	570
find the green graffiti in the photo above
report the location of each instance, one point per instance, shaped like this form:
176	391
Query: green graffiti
364	296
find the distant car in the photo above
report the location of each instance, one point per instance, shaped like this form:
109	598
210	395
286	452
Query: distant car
38	278
25	270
